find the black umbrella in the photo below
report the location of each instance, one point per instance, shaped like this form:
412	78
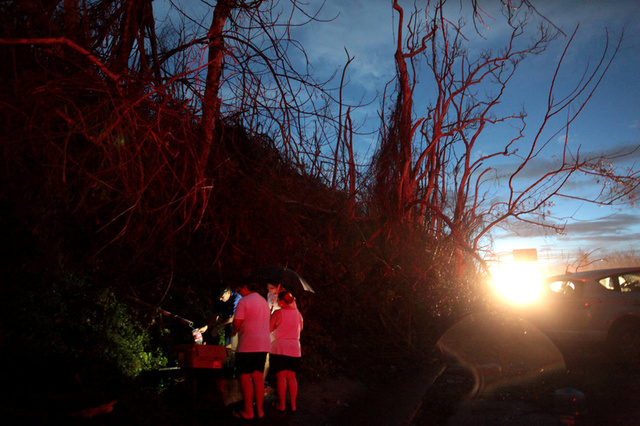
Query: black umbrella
288	278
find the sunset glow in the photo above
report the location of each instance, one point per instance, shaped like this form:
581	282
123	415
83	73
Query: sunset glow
517	282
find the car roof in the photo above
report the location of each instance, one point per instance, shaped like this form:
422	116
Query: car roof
594	274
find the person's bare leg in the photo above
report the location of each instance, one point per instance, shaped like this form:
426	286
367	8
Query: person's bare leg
266	367
281	384
258	390
292	384
247	388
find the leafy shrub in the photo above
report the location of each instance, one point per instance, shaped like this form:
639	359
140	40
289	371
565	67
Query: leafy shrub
67	321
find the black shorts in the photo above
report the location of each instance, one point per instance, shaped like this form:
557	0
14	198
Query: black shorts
279	363
249	362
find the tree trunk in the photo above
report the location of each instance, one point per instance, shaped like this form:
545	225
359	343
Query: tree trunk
211	102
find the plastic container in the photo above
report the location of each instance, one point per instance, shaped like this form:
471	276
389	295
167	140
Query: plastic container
197	336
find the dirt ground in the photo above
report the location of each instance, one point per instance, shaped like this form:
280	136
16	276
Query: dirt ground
209	401
388	401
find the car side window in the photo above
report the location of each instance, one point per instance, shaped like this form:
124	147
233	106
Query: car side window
610	283
629	282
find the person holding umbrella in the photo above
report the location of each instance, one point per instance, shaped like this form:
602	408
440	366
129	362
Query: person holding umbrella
272	295
286	324
251	323
286	278
281	278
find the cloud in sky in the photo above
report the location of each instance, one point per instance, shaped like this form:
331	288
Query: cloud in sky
605	228
618	154
365	30
618	232
607	233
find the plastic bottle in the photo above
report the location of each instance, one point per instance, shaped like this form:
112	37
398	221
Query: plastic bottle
197	336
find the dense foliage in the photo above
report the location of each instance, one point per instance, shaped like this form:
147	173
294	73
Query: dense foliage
109	193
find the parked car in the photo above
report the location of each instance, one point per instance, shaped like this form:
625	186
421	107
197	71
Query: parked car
600	306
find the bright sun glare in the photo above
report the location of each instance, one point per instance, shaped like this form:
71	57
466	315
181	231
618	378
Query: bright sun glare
517	282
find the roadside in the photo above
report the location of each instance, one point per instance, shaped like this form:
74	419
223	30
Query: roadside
439	396
433	395
344	401
394	402
450	401
203	397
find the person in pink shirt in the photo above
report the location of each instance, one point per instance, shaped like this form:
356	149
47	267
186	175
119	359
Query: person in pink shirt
251	323
286	324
